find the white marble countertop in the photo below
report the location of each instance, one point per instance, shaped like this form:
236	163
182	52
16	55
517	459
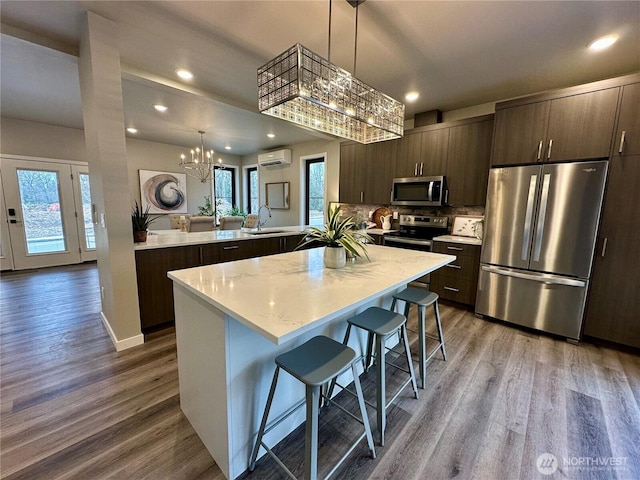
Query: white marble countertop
176	238
458	239
379	231
282	296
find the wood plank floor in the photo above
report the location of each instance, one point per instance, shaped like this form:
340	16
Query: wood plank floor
73	408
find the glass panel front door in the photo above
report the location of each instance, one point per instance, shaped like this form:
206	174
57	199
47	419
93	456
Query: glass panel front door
40	207
41	215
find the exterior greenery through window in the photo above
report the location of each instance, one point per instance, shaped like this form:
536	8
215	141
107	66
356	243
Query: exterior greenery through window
252	190
315	191
225	189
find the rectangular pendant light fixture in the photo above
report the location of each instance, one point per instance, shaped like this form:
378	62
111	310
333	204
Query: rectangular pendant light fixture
306	89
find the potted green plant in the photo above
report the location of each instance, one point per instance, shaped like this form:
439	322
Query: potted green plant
339	236
140	221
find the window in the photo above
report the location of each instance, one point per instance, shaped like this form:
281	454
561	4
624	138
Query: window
225	189
314	179
252	190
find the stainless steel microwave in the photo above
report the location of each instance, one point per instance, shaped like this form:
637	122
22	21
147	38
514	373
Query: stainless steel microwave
420	191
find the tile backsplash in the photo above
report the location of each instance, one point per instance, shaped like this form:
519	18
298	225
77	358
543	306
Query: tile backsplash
360	212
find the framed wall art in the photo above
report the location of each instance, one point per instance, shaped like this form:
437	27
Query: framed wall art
163	192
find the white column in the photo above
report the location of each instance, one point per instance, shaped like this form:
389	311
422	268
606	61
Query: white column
103	114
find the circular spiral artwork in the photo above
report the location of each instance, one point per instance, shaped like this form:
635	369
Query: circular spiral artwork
163	192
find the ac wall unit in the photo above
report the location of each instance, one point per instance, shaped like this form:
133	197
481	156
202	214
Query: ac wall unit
277	157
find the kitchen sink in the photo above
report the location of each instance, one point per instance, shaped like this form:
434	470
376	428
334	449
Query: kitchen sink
267	232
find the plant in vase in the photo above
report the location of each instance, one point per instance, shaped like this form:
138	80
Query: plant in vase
339	237
140	221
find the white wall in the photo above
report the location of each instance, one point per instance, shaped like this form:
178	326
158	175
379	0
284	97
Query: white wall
292	174
19	137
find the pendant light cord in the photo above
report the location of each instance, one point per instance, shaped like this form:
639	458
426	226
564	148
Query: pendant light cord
355	43
329	46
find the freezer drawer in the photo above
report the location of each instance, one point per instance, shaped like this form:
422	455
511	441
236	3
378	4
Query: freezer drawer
550	303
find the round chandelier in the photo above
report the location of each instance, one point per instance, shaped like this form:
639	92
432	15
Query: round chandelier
201	162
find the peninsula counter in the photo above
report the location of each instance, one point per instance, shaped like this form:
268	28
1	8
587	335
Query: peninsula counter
233	319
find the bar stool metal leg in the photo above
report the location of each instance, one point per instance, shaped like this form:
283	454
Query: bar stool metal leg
311	433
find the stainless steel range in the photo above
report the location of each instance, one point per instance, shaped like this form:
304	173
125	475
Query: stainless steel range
416	233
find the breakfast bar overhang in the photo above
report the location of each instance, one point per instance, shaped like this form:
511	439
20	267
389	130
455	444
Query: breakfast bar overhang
233	319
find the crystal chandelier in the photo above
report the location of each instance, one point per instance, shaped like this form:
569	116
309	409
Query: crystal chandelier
306	89
201	162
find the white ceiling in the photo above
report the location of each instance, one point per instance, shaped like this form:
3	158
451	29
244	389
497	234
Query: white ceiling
456	54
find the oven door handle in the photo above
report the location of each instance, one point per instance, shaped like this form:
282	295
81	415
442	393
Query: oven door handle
409	241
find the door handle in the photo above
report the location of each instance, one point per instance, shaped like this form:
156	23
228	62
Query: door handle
621	142
415	170
526	232
542	278
421	167
549	151
233	247
541	216
604	247
540	149
457	249
451	289
457	267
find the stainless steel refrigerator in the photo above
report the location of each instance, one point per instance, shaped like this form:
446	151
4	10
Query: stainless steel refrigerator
539	238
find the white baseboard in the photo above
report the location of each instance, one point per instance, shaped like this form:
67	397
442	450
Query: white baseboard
121	344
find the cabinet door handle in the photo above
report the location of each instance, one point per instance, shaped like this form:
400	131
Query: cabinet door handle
621	142
457	249
451	289
201	258
457	267
549	152
604	247
539	149
421	167
233	247
415	170
361	197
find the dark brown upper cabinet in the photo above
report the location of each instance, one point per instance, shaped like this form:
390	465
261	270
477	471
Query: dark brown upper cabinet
576	126
408	155
433	155
468	159
627	138
352	158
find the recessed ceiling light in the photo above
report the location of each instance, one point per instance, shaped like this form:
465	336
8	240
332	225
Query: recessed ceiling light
411	96
184	74
227	147
160	108
271	135
603	42
132	130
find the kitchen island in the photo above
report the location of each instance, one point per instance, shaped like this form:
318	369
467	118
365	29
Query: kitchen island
233	319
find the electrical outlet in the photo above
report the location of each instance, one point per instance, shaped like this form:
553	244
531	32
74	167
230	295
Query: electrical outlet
395	215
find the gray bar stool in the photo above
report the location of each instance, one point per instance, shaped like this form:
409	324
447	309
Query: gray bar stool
314	363
382	324
422	298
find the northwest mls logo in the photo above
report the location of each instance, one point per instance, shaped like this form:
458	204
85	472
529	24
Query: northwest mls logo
547	464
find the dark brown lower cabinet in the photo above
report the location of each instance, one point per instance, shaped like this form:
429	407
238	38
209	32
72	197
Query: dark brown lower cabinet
155	289
458	280
613	306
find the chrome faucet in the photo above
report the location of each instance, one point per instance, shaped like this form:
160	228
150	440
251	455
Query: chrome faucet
261	223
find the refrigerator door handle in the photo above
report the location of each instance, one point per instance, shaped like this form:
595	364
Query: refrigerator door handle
526	233
541	278
544	198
